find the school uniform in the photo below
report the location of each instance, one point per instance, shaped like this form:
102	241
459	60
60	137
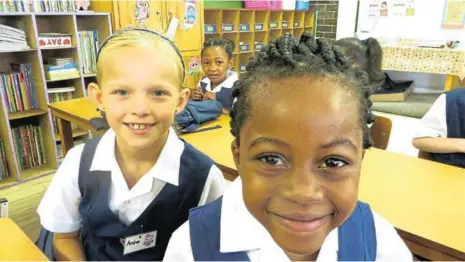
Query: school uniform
446	119
89	193
223	90
242	237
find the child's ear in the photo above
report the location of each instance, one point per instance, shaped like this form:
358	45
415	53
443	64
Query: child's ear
95	94
231	63
235	152
183	98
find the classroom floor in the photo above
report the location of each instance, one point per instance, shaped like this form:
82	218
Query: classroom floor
23	200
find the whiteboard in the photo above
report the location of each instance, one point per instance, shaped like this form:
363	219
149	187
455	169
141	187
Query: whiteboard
426	23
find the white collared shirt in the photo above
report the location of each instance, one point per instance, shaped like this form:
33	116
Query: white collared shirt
433	123
231	77
59	208
240	231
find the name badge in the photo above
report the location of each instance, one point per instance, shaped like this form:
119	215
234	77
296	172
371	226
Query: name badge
139	242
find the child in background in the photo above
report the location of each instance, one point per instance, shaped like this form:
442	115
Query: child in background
442	129
301	130
217	61
120	197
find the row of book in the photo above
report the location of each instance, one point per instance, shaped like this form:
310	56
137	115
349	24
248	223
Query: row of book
61	68
37	6
88	41
29	144
17	88
60	94
3	165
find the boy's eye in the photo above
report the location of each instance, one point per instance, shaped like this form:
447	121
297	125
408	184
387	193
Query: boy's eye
206	63
219	62
273	160
333	163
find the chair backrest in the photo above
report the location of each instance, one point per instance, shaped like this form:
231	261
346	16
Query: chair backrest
381	132
3	207
424	155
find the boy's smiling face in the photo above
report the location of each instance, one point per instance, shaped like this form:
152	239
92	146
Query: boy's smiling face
299	159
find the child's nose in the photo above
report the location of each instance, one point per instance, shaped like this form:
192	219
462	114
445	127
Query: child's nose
140	106
302	186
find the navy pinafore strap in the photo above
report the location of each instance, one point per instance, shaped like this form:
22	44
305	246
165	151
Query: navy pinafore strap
357	235
204	223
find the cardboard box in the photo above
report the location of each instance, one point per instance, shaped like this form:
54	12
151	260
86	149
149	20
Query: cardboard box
53	40
393	97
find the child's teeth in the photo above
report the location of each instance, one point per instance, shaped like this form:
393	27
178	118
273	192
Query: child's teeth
141	127
136	126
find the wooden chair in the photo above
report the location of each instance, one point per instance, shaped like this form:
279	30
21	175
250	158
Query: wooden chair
381	132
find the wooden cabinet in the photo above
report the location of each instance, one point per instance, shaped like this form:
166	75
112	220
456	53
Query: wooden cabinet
191	38
156	15
192	76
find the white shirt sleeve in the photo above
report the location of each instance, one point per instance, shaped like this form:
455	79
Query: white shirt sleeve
214	186
433	123
59	208
390	246
179	247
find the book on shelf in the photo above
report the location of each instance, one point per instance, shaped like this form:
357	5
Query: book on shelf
89	42
37	6
3	164
58	94
17	88
29	145
12	39
61	68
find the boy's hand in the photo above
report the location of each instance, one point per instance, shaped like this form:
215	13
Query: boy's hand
209	96
197	94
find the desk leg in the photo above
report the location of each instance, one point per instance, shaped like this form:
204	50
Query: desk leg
452	82
66	134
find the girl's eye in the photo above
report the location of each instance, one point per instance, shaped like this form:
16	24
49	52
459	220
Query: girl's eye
205	63
159	93
273	160
219	62
333	163
121	92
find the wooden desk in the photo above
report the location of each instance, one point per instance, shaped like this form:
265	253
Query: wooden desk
423	199
15	245
77	111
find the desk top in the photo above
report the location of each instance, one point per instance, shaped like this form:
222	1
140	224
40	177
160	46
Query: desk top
82	108
15	245
421	197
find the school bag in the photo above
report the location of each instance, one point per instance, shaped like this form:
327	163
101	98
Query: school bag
356	236
196	113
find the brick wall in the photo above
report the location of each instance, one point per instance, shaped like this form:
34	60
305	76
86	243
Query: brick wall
327	18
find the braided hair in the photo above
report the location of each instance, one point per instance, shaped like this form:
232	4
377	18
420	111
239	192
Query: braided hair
227	44
286	57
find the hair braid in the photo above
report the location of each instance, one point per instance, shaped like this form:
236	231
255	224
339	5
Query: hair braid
286	56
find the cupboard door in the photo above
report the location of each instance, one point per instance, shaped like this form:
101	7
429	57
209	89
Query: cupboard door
189	32
148	13
193	68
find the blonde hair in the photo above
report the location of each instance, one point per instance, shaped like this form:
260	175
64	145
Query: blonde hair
140	38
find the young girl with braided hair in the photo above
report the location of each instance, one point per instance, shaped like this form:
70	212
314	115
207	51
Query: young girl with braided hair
217	63
301	130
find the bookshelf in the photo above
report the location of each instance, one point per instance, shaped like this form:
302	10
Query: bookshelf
33	124
250	29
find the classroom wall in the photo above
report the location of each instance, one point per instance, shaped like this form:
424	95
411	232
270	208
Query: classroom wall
425	23
327	18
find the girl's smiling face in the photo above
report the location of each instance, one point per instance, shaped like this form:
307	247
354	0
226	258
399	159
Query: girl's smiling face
299	158
140	93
